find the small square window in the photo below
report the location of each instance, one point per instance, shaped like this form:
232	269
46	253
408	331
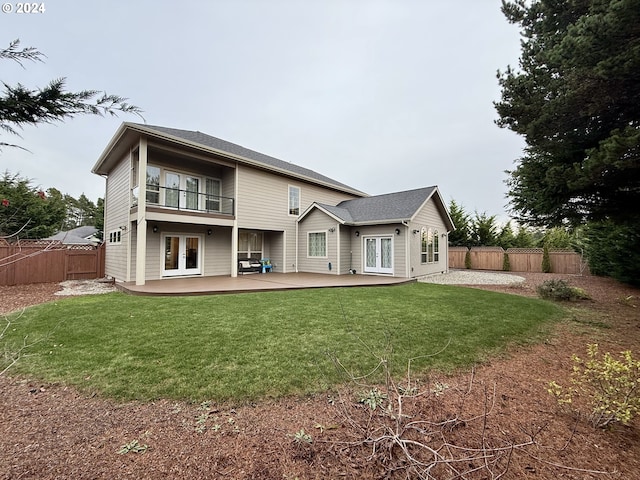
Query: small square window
115	236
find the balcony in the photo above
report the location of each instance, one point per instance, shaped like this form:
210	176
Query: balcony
187	201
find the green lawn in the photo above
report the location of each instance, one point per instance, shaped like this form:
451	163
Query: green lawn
248	346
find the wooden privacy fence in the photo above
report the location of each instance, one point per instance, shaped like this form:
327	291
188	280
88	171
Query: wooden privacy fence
520	259
43	261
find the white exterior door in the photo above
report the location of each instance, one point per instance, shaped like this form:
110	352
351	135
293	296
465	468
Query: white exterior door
181	255
378	254
182	191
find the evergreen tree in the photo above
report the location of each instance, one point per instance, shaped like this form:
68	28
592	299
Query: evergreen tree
546	260
575	98
80	212
484	230
558	238
524	238
461	236
506	237
612	250
27	211
99	223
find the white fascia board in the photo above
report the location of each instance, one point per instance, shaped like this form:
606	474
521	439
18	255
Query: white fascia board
313	206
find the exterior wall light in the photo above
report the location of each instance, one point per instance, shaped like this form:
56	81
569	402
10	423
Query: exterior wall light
155	229
357	233
397	231
209	232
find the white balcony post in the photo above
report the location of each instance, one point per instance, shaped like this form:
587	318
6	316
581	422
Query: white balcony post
141	220
234	249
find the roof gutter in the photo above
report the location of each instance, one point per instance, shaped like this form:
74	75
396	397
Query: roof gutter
377	222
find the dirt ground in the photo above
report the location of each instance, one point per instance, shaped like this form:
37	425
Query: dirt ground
480	423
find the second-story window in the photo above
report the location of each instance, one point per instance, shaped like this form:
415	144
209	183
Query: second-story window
153	184
294	200
213	194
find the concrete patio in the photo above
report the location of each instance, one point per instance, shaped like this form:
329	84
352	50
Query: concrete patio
256	282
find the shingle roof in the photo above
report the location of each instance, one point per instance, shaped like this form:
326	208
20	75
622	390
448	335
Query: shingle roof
237	150
75	236
339	212
389	207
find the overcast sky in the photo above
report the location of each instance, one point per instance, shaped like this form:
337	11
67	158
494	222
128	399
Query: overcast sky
381	95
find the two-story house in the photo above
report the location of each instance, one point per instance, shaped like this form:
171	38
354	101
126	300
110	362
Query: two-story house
183	203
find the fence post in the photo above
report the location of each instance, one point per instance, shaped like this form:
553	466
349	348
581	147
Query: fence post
66	265
101	260
11	273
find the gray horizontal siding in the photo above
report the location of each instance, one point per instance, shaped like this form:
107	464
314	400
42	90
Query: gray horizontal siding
117	198
263	204
317	221
429	217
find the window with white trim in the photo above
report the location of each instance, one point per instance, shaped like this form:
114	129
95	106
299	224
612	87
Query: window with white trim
115	236
436	246
317	244
428	245
250	244
423	245
212	190
153	184
294	200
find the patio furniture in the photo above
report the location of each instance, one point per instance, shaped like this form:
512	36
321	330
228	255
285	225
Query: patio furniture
249	265
266	265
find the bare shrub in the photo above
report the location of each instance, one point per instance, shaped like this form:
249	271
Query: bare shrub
427	428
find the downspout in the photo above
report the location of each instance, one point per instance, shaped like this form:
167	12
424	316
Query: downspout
447	247
284	250
338	251
296	256
407	243
104	215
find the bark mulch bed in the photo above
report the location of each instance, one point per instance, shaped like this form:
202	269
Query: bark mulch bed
497	417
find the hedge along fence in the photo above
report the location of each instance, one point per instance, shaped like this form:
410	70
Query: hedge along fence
43	261
520	259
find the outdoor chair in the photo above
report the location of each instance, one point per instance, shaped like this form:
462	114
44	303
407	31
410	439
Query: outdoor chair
266	265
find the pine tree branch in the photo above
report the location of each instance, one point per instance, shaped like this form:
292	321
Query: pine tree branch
12	52
21	106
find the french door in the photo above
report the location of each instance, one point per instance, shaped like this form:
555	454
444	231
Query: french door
181	255
181	191
378	254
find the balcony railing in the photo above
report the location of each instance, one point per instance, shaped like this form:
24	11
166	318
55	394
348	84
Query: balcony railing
185	200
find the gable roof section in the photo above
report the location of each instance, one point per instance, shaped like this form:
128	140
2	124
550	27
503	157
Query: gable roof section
339	214
388	208
227	149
